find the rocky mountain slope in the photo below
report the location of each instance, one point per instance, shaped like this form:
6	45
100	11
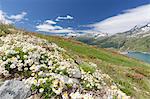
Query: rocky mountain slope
137	39
89	37
63	69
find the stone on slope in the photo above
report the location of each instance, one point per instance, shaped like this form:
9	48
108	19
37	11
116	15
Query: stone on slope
14	89
76	73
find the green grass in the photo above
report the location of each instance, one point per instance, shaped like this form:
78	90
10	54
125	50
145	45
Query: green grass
85	50
4	29
112	63
87	68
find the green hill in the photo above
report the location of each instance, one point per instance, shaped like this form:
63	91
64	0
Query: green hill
121	42
136	39
130	75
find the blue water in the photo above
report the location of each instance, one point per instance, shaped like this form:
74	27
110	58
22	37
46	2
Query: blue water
139	55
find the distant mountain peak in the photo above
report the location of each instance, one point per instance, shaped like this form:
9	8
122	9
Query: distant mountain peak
139	31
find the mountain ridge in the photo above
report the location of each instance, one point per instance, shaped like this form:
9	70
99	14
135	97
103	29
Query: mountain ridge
136	39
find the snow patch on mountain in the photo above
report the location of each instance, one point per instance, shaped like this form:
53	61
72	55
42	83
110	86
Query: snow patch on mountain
139	31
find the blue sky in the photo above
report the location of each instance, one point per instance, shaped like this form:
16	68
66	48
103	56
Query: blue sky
62	16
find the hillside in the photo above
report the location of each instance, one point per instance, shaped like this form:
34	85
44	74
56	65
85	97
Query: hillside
130	76
136	39
126	72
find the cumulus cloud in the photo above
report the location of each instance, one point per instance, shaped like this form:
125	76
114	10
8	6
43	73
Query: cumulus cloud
18	17
125	21
50	22
50	26
3	18
68	17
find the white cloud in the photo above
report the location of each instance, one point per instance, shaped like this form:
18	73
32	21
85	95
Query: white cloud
125	21
68	17
50	26
18	17
50	22
3	18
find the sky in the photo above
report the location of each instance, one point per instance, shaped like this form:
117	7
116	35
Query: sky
75	16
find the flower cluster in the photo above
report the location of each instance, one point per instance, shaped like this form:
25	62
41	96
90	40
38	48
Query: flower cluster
92	81
22	54
49	72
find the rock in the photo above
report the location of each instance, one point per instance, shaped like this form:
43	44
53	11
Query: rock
76	73
14	89
69	80
78	61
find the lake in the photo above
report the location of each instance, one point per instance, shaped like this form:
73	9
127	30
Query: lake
140	55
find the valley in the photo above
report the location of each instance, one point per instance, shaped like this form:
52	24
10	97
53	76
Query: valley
129	75
135	40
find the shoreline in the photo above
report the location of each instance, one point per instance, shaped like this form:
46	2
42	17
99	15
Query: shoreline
126	52
142	56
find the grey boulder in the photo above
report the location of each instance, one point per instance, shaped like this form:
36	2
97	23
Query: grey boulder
14	89
76	73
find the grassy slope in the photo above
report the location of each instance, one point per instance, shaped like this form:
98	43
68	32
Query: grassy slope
115	41
132	76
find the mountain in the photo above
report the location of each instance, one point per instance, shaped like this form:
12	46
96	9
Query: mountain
136	39
90	37
139	32
85	71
